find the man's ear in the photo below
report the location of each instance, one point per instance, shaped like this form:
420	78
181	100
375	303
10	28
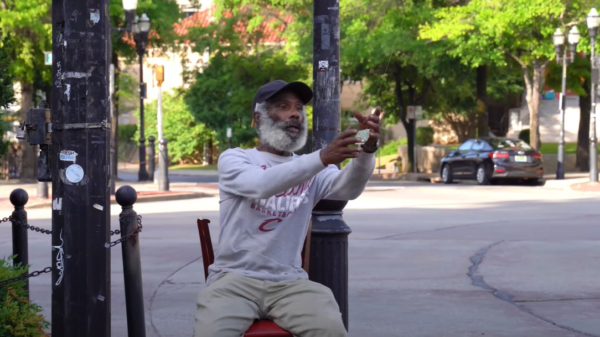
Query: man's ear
255	119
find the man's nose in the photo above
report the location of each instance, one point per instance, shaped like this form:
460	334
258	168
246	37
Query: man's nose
295	114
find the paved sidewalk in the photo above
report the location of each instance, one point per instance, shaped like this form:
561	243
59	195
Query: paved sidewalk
147	191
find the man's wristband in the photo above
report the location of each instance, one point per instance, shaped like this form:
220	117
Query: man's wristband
370	149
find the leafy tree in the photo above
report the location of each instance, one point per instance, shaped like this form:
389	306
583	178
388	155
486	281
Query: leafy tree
578	82
221	94
185	135
502	31
240	76
163	14
27	23
7	95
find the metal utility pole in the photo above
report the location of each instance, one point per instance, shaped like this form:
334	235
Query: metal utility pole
559	40
79	160
329	243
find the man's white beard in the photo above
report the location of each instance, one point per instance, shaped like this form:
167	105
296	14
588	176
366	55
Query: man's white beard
274	134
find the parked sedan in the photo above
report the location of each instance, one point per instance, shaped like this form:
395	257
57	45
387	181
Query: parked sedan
489	159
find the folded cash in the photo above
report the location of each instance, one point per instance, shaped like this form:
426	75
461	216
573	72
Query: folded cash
363	135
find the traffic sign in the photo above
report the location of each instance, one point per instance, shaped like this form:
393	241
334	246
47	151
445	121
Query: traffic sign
418	112
48	58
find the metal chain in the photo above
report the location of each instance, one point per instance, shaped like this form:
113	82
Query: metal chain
115	232
33	228
127	237
25	276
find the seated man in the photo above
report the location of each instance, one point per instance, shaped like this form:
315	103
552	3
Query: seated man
266	197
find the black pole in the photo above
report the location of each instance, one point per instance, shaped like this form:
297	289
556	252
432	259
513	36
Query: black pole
19	198
42	190
80	186
142	174
132	268
163	165
151	163
560	163
329	242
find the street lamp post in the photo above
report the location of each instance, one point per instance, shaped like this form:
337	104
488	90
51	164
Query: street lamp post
229	131
140	29
559	40
593	21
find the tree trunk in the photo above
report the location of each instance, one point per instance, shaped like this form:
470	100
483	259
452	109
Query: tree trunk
482	109
533	96
210	150
582	162
28	170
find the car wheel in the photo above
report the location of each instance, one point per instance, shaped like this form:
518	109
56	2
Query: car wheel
447	174
483	175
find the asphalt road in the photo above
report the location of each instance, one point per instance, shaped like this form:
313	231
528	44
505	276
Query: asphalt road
425	260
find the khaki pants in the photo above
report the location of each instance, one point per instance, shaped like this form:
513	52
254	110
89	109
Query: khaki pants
229	305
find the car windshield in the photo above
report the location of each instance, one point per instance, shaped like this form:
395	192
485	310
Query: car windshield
509	144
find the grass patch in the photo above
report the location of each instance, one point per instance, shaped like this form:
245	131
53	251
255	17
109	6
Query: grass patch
194	167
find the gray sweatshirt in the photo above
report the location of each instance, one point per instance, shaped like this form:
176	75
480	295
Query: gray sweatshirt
266	202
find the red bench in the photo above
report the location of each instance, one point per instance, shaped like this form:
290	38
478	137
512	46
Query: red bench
260	328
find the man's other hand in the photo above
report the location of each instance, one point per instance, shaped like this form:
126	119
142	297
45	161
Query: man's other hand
339	149
370	122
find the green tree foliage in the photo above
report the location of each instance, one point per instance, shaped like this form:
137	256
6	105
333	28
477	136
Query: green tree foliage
162	13
185	135
18	316
7	95
27	24
222	93
502	31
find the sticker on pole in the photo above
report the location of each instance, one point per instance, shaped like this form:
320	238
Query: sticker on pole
74	173
68	155
323	66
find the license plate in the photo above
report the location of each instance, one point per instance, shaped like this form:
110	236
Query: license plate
521	159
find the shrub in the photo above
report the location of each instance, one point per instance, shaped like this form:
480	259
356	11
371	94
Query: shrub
18	316
126	132
425	135
392	146
524	135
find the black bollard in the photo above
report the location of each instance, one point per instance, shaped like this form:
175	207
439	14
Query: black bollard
42	190
163	165
151	156
132	268
19	198
329	251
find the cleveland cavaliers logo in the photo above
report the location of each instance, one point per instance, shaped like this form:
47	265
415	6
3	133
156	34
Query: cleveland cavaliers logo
269	225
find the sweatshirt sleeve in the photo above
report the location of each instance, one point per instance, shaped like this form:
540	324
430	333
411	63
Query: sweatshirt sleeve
348	183
239	176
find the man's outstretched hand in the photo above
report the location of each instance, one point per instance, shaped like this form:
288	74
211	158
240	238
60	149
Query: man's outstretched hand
339	149
370	122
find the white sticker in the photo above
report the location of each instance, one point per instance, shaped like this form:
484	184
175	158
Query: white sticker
98	207
74	173
57	204
68	155
323	65
94	16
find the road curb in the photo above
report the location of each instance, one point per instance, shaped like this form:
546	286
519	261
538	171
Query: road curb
141	198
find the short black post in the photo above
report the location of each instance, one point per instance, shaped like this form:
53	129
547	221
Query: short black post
42	190
19	198
329	245
329	251
163	165
151	156
132	268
